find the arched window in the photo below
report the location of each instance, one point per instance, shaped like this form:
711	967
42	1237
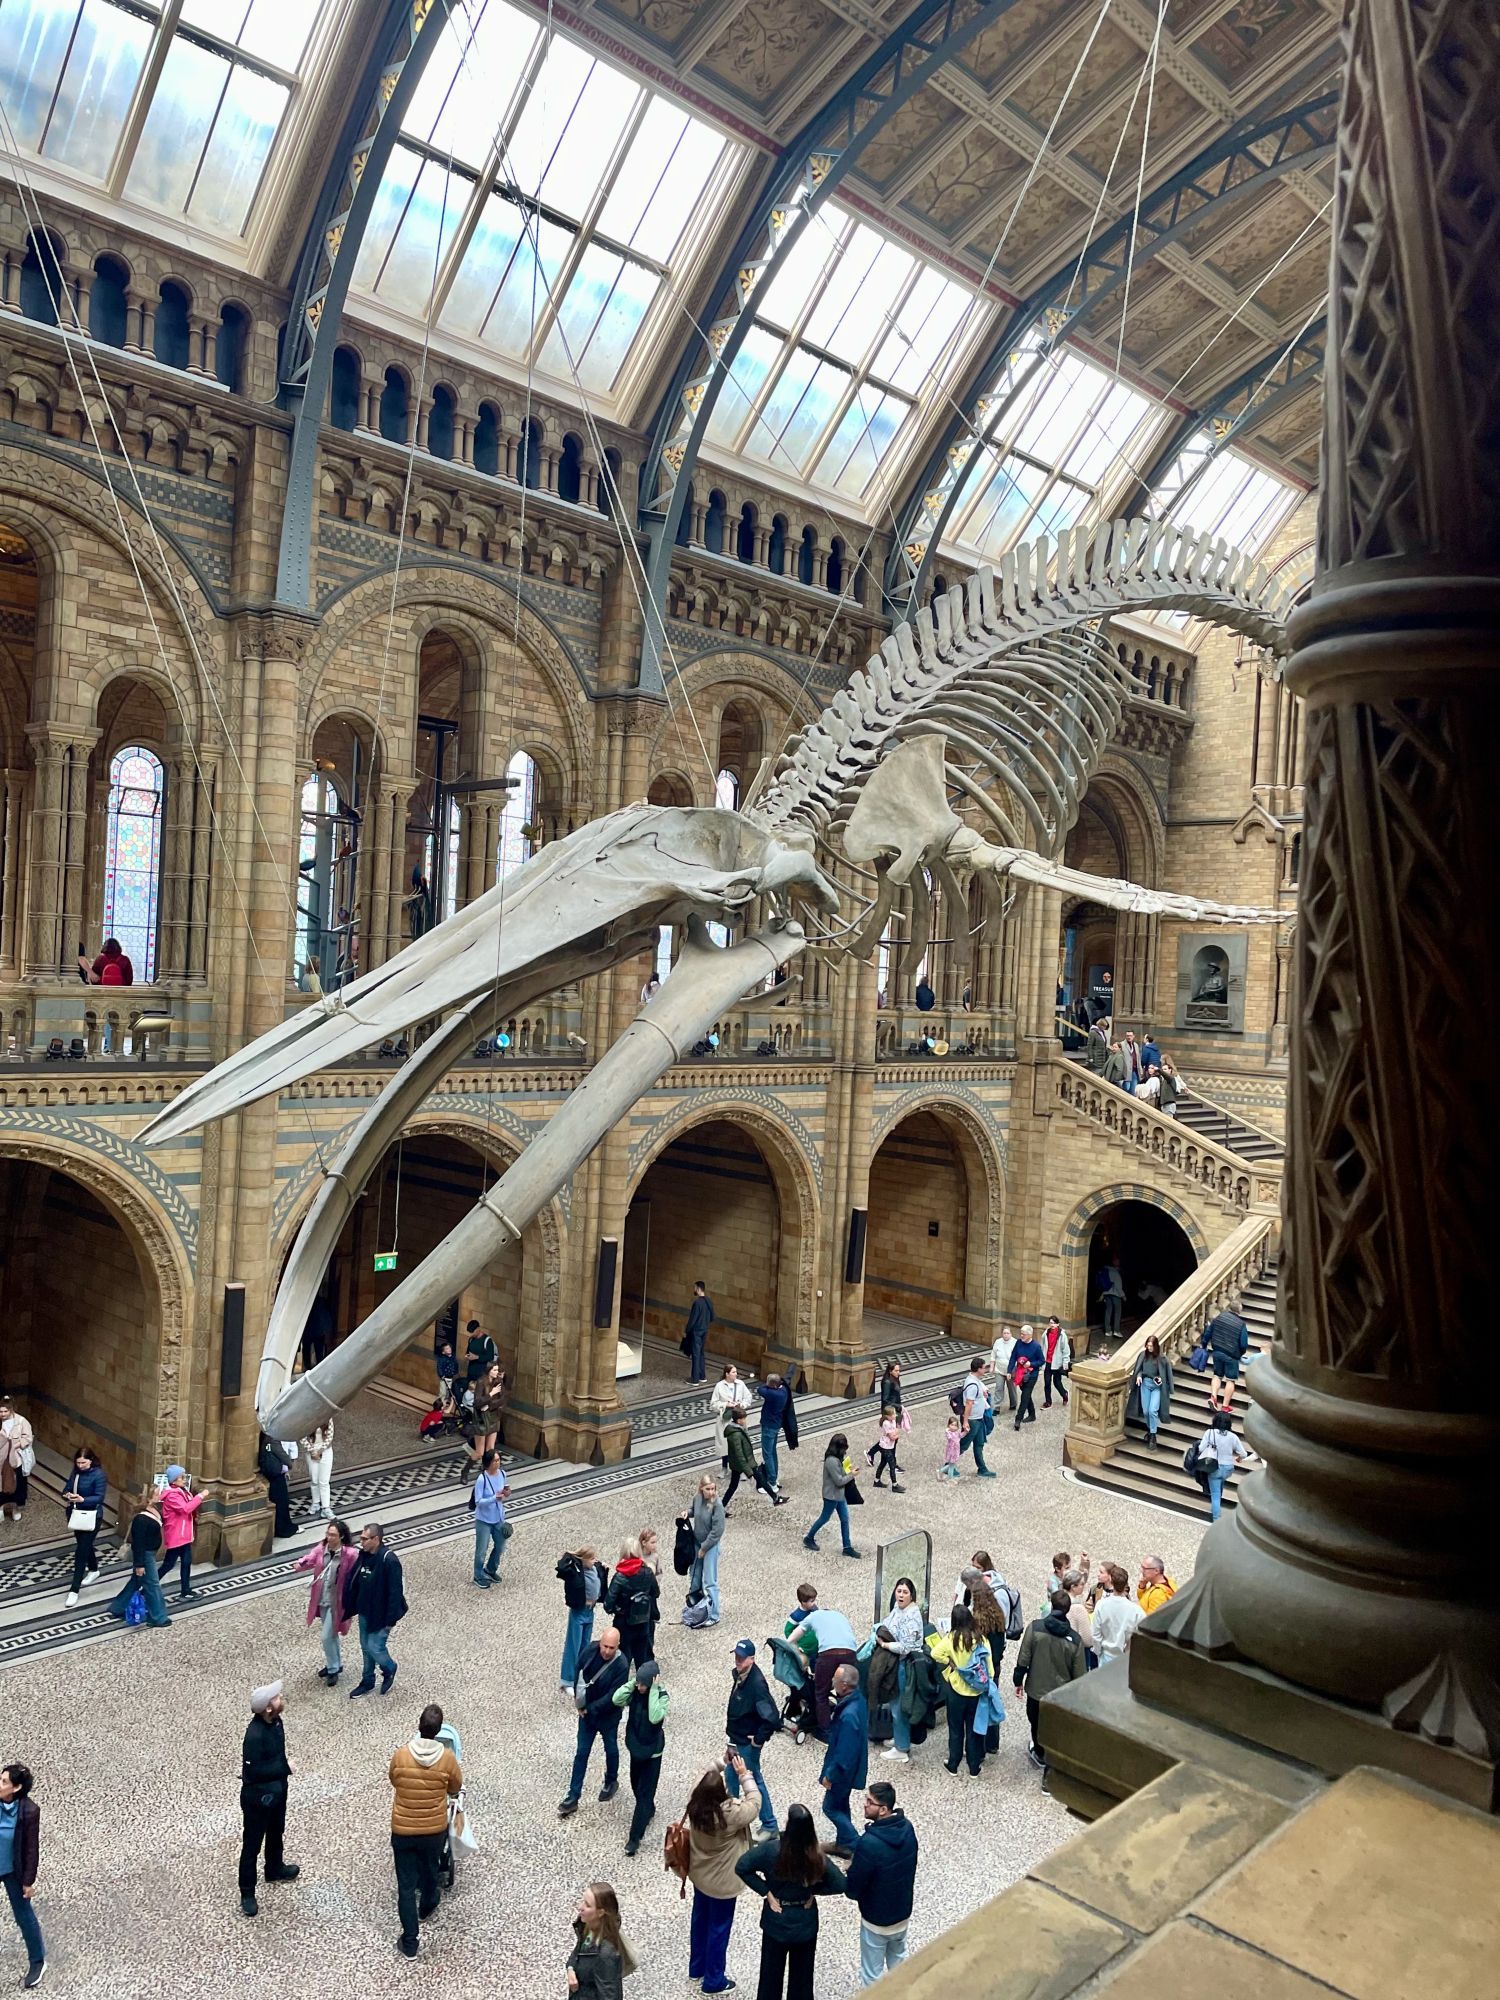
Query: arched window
570	469
807	556
529	455
107	308
229	351
440	422
518	821
744	534
685	520
727	791
713	524
324	886
132	855
609	482
836	564
41	278
487	440
776	547
393	406
344	390
170	341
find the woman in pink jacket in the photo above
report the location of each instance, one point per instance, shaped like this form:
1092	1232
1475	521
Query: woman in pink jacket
330	1563
179	1503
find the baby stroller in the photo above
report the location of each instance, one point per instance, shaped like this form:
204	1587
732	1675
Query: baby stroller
789	1669
457	1835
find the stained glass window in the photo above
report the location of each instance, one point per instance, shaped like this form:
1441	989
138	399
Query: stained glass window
517	839
132	856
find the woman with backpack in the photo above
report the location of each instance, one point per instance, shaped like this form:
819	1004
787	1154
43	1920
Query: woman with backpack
632	1602
703	1849
789	1873
967	1672
838	1477
584	1580
705	1519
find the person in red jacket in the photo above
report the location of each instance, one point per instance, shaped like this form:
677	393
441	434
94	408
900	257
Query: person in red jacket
20	1826
179	1503
110	968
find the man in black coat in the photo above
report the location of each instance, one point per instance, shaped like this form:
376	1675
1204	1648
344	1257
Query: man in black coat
695	1333
374	1595
275	1467
751	1721
601	1671
264	1771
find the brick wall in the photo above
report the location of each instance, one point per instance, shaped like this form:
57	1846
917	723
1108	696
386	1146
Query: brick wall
714	1215
916	1179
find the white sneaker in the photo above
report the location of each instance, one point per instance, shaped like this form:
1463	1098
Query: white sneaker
895	1757
72	1600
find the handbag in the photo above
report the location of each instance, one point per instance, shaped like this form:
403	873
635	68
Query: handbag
853	1495
83	1520
461	1827
135	1608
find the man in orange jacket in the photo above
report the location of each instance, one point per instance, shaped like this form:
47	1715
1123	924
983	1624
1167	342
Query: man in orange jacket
425	1775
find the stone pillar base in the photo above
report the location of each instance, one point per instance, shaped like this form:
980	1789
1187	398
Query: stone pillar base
973	1323
234	1523
1333	1737
589	1437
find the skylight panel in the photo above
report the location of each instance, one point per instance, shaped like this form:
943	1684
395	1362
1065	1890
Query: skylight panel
470	79
274	31
785	299
68	73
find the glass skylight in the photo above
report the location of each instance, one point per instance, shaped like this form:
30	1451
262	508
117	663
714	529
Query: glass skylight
1070	439
220	74
518	148
1240	501
847	337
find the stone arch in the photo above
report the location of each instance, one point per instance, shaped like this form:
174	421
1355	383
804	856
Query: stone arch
488	614
790	1154
164	1263
981	1151
1077	1234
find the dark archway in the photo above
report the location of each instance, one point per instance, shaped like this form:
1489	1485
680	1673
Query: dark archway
1153	1251
80	1332
916	1247
706	1207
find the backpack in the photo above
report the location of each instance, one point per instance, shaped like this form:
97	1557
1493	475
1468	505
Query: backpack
676	1848
696	1612
684	1549
636	1608
1015	1622
1194	1462
956	1398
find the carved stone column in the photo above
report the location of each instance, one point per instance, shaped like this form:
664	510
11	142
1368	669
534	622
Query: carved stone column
13	784
58	847
1346	1613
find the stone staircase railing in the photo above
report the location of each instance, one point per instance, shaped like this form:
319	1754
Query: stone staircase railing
1224	1176
1101	1389
1230	1117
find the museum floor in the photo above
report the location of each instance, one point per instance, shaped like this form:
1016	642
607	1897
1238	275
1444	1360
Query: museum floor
134	1740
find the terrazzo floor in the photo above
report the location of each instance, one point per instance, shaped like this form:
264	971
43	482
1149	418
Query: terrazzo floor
135	1745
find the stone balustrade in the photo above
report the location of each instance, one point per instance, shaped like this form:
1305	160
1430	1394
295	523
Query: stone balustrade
1218	1172
1101	1388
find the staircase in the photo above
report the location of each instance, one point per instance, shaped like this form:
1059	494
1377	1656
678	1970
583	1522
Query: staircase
1212	1121
1158	1475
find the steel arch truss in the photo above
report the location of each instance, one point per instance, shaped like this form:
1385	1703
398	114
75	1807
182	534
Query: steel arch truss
1243	405
808	173
1246	158
409	32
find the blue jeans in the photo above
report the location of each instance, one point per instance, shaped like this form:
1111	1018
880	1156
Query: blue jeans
900	1727
705	1576
1151	1405
830	1508
1217	1474
836	1812
979	1429
149	1586
491	1535
697	1342
373	1652
1113	1304
25	1916
770	1438
751	1752
333	1652
879	1953
708	1940
580	1631
588	1734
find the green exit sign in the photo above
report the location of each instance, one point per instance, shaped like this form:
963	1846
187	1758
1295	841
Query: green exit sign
385	1260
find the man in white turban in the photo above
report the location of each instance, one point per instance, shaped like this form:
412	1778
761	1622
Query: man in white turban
264	1772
